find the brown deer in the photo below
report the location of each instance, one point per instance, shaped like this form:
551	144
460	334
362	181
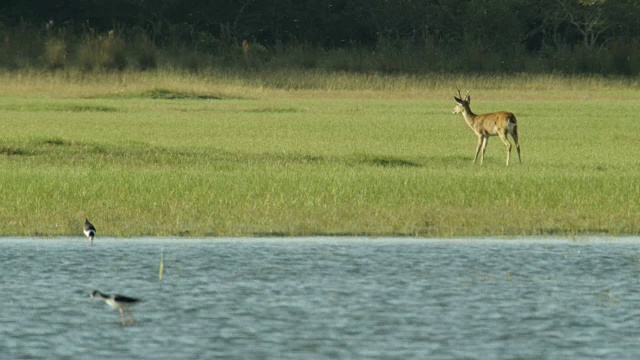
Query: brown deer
498	123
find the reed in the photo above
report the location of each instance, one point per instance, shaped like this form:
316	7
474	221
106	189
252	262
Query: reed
161	267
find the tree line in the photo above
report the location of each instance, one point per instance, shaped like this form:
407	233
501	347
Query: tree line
476	35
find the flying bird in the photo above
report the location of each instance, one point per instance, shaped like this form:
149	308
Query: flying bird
118	302
89	230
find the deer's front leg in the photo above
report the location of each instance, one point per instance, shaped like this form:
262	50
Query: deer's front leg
485	140
478	149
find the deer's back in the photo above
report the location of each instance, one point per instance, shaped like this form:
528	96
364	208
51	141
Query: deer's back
493	123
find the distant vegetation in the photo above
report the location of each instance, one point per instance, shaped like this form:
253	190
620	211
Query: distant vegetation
414	36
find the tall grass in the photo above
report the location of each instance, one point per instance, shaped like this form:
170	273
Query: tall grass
304	83
230	154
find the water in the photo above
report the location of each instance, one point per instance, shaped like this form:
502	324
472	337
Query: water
322	298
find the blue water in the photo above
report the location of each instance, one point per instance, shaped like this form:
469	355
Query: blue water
322	298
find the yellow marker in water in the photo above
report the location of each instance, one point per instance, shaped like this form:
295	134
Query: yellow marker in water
161	262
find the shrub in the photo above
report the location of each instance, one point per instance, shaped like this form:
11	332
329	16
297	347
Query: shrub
395	55
624	56
145	52
6	54
102	52
255	55
20	46
55	53
113	52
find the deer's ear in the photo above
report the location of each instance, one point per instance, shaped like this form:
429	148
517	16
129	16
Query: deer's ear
458	100
468	99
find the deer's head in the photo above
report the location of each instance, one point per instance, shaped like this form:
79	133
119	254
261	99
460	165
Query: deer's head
461	104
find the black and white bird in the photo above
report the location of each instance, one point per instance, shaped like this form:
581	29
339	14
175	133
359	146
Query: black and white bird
118	302
89	230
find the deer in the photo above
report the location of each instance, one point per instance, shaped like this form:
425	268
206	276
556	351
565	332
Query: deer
501	123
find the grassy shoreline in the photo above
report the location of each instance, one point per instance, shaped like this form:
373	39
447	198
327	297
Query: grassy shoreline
311	153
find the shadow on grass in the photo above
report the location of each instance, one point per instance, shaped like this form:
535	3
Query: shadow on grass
385	161
14	151
161	94
53	142
166	94
354	160
32	147
273	110
62	151
58	107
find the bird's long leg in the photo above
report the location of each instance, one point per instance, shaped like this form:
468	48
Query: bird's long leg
122	317
131	317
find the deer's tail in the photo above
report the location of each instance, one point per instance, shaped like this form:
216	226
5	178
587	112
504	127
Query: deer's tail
513	123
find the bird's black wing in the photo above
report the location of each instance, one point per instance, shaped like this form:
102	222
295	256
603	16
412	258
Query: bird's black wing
124	299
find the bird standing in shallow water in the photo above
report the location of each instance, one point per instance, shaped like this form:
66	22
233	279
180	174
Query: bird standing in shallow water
89	230
118	302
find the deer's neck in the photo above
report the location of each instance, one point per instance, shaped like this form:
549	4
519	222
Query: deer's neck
469	117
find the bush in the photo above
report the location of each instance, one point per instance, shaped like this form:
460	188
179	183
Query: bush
20	47
255	55
145	52
55	53
6	54
624	57
102	52
391	54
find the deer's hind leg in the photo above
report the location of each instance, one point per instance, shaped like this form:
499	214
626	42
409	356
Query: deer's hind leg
507	143
514	135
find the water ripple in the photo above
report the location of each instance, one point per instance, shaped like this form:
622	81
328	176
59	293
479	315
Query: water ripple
322	298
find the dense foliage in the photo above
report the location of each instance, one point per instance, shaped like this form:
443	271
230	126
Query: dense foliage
577	36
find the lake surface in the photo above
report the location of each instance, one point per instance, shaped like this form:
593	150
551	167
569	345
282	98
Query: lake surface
322	298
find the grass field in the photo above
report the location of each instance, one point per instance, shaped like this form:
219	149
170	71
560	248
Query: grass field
313	153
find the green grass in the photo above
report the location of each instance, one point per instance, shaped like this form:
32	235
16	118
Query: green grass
345	154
